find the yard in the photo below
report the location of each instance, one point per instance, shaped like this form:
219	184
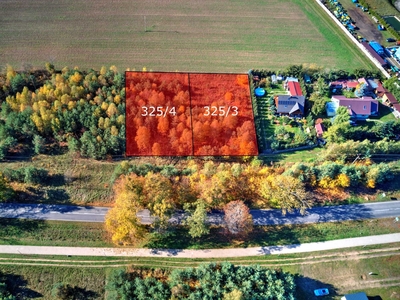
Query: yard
211	36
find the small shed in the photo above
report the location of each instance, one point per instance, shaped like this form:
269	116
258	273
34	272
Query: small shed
356	296
319	128
274	80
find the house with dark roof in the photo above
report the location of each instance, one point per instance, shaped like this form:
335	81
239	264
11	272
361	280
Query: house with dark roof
287	105
358	108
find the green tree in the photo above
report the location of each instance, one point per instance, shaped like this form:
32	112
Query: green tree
318	104
38	144
342	115
197	221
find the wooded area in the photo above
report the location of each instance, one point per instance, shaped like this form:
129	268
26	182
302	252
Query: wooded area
208	281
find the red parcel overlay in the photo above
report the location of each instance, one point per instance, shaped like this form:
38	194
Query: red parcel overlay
181	114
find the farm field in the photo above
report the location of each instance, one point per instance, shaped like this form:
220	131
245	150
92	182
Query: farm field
206	36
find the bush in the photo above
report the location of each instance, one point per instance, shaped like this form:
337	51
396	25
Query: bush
30	175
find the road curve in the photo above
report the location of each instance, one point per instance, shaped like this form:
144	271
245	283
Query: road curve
260	217
208	253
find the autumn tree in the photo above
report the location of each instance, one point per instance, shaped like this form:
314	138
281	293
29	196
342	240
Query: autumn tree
158	198
197	221
238	219
121	221
286	192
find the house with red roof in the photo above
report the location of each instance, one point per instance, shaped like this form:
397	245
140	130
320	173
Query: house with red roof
294	88
291	105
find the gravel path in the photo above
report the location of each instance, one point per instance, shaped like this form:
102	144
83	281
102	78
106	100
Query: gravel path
209	253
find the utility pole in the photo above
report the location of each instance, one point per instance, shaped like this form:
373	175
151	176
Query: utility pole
145	27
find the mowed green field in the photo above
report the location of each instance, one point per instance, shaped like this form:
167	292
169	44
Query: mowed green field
184	35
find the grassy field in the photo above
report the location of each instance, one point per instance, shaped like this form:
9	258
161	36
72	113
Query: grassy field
52	233
383	7
342	271
56	233
72	180
207	36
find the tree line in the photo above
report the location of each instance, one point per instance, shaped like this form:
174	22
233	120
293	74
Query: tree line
84	110
232	187
208	281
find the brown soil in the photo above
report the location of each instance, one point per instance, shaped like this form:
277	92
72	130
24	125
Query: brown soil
367	28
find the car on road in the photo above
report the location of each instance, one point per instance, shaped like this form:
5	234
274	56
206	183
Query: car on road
321	292
390	40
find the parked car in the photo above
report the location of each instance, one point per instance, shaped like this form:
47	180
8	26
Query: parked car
390	40
321	292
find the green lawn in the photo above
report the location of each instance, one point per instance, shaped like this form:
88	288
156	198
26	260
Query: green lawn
342	270
51	233
56	233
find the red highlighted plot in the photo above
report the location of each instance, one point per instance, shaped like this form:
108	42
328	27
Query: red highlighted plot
158	114
222	115
178	114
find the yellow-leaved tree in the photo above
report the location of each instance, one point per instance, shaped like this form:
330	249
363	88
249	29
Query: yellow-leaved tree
121	221
286	192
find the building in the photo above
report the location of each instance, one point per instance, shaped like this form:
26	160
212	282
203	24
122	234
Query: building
358	108
343	84
374	54
319	128
388	99
294	89
356	296
292	106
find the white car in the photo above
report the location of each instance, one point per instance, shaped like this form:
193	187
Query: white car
321	292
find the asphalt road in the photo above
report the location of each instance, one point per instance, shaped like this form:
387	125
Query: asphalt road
260	217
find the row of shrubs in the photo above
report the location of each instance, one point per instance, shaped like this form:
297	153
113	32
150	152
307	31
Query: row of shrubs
30	175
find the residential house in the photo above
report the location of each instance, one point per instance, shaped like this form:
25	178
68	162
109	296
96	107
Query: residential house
388	99
291	105
358	108
380	90
287	105
356	296
343	84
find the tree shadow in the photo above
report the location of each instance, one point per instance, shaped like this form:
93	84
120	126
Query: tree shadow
12	229
83	294
17	286
49	195
168	252
305	287
37	211
321	214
